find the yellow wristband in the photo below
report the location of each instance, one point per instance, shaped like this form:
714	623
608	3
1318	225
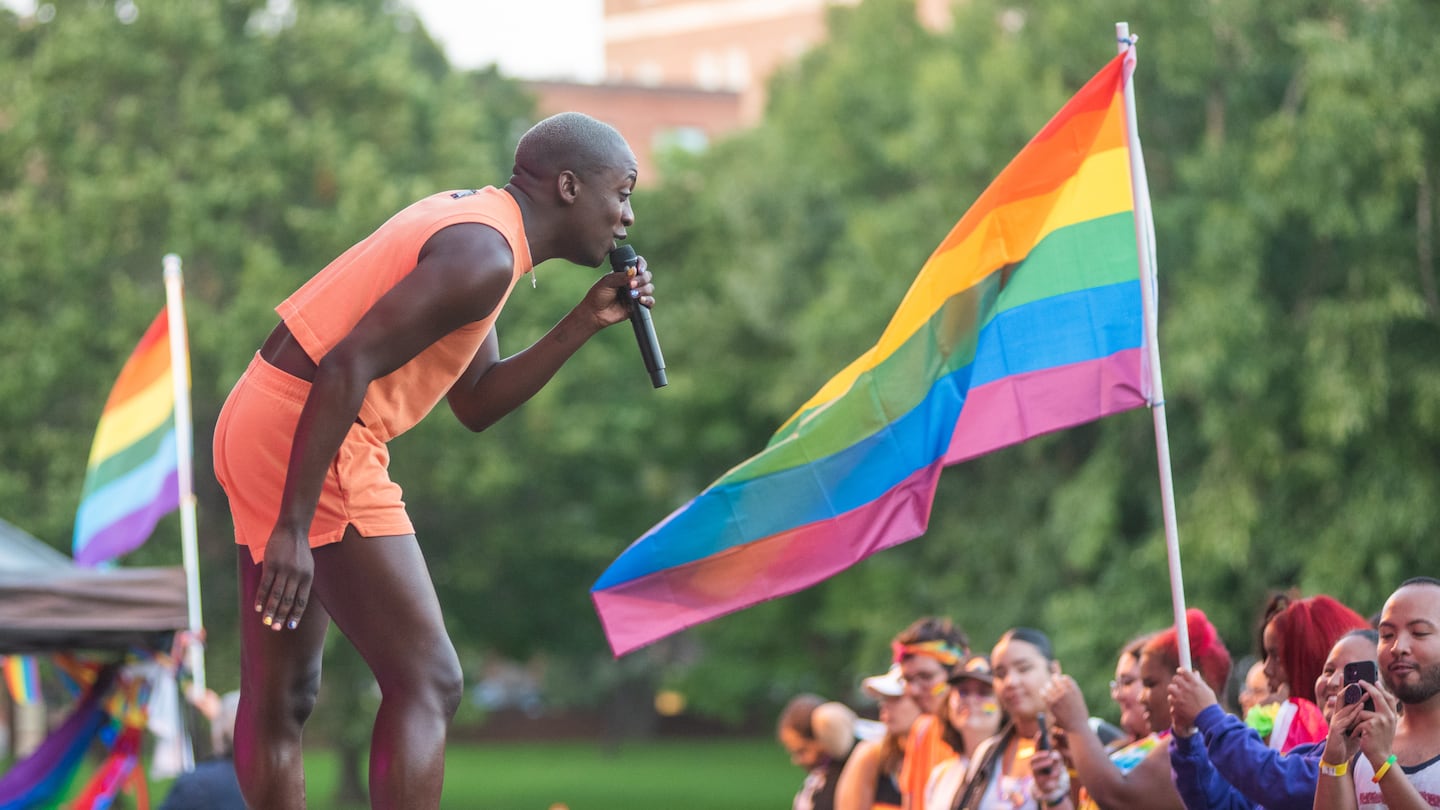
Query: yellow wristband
1334	770
1384	769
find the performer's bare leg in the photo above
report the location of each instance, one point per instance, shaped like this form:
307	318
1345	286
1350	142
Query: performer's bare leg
279	680
378	591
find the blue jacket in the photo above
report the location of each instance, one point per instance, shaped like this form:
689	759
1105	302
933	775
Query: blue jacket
1226	766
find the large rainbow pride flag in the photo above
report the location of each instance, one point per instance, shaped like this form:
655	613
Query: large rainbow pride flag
131	480
1027	319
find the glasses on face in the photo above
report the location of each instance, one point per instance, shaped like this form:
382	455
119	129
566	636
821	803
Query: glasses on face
1125	684
971	691
923	678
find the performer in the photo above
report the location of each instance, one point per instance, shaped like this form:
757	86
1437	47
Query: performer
363	351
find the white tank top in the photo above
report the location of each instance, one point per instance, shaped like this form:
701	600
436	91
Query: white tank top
1425	777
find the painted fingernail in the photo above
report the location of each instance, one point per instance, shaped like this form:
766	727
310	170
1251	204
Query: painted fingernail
267	620
259	608
634	293
275	627
293	624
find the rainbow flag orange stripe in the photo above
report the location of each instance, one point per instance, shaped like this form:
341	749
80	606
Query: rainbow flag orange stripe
1027	319
131	480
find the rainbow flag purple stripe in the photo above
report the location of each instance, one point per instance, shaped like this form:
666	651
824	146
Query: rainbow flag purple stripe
1027	319
131	480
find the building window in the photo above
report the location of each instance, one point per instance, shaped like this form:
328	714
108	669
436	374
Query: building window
649	74
689	139
709	71
737	69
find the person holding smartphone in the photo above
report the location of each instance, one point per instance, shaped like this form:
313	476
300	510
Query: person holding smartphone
1226	765
1388	755
1015	770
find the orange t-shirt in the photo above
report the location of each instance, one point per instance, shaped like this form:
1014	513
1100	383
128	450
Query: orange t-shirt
924	749
322	312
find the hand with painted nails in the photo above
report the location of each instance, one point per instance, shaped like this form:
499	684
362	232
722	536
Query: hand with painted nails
285	580
608	296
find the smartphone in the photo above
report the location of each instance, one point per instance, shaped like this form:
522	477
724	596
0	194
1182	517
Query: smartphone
1354	673
1042	741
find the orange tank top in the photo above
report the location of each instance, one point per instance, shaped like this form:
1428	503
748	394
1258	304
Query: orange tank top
924	750
322	312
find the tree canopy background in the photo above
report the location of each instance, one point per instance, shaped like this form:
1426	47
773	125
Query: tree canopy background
1292	153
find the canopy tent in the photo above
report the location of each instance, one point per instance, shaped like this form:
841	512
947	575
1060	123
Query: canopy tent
49	604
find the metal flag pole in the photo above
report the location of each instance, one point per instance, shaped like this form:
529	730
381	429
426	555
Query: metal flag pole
1145	247
184	442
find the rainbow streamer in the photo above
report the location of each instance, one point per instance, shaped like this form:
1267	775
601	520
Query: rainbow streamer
42	778
22	678
131	480
1027	319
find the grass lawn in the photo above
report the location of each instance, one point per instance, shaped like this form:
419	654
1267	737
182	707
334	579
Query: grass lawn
728	774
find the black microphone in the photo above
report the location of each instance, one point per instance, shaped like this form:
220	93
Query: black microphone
621	258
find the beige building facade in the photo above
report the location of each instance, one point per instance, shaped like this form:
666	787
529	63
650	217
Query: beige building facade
681	73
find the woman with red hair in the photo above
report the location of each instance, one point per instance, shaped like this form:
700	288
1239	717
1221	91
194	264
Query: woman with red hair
1296	641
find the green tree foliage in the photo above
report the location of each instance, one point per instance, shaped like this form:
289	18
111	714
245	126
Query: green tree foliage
1291	152
257	147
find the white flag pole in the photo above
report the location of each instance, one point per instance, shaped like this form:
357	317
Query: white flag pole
1145	247
184	443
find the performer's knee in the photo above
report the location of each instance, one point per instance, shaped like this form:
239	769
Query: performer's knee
300	695
447	682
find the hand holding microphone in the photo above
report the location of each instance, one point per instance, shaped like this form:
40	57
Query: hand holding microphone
622	258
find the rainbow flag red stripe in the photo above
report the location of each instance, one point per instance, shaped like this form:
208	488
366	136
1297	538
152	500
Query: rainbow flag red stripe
131	480
1027	319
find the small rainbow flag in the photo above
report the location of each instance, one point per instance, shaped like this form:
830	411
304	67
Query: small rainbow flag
1027	319
132	480
22	677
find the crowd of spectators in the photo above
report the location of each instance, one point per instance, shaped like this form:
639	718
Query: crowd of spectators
1336	712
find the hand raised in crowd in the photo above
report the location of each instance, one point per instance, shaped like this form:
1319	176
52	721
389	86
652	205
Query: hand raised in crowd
1189	695
1066	702
1354	728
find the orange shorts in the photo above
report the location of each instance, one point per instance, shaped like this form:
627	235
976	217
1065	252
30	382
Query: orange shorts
252	453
